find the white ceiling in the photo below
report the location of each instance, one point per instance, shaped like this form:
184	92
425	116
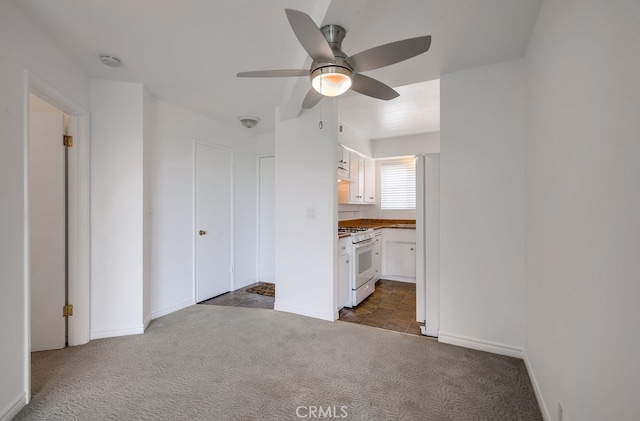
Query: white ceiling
188	51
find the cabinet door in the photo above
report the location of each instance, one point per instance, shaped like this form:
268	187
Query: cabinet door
401	258
343	161
356	187
377	259
369	180
343	280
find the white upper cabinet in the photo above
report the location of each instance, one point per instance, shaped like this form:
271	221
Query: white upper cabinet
369	181
356	187
361	186
343	155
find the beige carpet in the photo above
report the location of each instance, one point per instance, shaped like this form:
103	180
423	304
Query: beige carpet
226	363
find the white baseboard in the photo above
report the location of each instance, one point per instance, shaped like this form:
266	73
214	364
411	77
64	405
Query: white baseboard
100	334
13	408
304	312
147	320
399	278
481	345
244	283
171	309
536	389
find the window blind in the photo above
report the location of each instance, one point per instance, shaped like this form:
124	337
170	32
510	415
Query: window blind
398	184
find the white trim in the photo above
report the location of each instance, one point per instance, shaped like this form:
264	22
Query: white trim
244	283
536	389
13	408
231	205
146	322
79	244
481	345
331	317
100	334
258	178
405	279
172	309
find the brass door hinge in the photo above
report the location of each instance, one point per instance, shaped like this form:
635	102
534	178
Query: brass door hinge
67	140
67	310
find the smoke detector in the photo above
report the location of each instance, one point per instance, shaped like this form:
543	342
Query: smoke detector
249	121
110	60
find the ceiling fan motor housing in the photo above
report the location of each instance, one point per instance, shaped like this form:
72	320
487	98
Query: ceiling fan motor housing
334	34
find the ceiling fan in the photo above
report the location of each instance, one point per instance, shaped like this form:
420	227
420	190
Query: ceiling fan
333	72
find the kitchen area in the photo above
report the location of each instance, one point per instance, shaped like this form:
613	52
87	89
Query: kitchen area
377	267
378	257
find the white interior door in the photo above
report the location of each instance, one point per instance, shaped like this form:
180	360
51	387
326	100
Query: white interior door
266	249
47	248
213	220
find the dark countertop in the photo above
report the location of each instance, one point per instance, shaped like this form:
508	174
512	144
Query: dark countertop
379	223
376	224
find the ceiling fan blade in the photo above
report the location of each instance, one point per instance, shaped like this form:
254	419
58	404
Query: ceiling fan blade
310	36
373	88
312	98
275	73
394	52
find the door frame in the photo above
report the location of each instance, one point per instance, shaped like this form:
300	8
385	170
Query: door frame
258	195
193	221
79	229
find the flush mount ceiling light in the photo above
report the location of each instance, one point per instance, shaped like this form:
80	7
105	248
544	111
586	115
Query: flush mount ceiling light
249	121
331	80
110	60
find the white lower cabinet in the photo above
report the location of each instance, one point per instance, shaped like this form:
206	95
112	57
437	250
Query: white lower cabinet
399	254
377	255
343	272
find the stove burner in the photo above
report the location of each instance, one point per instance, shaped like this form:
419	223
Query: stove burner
351	229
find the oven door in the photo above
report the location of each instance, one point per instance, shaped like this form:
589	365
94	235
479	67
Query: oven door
363	264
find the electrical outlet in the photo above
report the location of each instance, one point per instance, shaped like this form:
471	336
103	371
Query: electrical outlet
311	213
560	412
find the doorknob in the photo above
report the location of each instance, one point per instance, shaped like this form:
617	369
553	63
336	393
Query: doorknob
202	232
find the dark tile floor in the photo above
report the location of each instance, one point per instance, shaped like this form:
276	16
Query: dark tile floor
241	298
392	306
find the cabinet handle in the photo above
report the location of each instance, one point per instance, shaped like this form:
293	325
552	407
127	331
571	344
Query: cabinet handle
411	248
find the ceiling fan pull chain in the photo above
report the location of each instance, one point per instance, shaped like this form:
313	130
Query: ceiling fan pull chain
320	124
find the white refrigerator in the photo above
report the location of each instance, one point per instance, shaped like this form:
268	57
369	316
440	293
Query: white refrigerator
428	242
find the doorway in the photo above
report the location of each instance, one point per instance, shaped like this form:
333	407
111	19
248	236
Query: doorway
266	218
78	209
48	225
213	188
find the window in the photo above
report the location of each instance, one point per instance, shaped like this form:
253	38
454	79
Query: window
398	184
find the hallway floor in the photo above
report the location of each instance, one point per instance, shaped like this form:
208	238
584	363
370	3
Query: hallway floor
392	306
241	298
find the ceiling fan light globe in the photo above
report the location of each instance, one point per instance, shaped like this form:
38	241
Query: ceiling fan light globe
331	81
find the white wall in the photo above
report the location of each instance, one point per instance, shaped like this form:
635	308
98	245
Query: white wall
266	143
352	138
148	139
306	182
406	145
22	46
172	170
583	206
117	283
482	207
